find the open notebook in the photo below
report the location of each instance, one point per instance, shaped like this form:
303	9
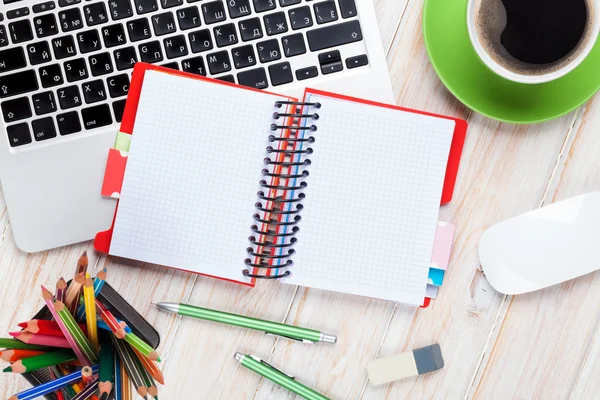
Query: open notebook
216	182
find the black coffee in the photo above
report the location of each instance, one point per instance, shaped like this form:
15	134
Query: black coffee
534	36
543	31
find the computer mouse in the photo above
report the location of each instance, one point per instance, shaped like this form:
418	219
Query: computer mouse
544	247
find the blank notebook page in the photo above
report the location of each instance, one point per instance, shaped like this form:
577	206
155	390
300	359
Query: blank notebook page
192	175
372	201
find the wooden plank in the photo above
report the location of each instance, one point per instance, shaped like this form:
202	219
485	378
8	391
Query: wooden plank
544	342
587	386
389	14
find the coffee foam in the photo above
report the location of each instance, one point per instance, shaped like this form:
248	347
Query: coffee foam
490	22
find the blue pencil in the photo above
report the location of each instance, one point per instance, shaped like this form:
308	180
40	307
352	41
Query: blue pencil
118	389
51	386
87	392
102	325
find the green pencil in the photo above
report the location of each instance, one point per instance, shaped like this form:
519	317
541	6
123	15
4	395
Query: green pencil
43	360
148	380
107	366
6	343
142	347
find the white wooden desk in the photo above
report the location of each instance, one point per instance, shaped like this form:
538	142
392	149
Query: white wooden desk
545	345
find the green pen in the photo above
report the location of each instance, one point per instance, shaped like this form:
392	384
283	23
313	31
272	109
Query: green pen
273	328
282	379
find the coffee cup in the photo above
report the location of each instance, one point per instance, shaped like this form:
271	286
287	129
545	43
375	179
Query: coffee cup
533	41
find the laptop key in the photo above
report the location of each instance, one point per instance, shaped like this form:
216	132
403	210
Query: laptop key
151	52
75	70
16	109
95	14
70	19
69	97
357	61
45	25
18	83
250	29
275	23
118	85
281	73
300	17
226	78
94	91
20	31
188	18
120	9
125	58
254	78
194	65
43	129
138	29
307	73
213	12
238	8
263	5
225	35
285	3
172	65
325	12
200	41
113	35
118	108
219	62
175	46
11	59
43	103
89	41
243	57
68	123
163	23
347	8
100	64
268	50
96	117
46	6
65	3
17	13
334	35
170	3
50	75
64	47
18	134
293	45
3	36
145	6
38	53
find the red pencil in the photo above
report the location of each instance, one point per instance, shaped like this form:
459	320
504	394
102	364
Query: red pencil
12	355
45	327
42	340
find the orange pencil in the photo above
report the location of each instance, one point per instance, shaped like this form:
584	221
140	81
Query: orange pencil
150	366
12	355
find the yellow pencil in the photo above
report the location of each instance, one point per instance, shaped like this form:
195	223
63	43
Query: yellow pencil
90	311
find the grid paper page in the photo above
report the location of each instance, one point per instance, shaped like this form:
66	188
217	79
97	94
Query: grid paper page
372	201
192	175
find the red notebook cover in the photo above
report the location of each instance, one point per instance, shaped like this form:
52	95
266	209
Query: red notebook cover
113	182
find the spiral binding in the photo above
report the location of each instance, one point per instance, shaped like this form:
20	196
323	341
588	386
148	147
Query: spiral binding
279	205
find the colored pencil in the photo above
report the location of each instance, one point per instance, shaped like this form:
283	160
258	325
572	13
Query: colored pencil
82	341
42	340
12	355
118	386
99	281
126	383
142	346
53	375
61	289
107	366
86	376
110	320
74	292
151	367
11	343
82	264
148	381
70	334
128	360
69	388
102	325
51	386
87	392
41	361
45	327
90	311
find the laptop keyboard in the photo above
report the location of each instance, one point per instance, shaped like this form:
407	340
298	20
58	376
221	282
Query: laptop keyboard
65	65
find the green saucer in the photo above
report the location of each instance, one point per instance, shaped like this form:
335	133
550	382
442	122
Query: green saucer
458	66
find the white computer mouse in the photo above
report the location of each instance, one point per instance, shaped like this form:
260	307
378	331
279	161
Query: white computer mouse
543	247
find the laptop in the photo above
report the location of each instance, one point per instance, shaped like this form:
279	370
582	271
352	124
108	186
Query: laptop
65	67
